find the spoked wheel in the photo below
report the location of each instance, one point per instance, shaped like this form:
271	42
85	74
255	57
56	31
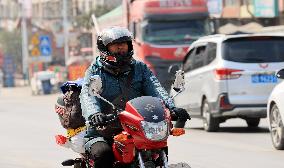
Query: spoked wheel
277	130
210	123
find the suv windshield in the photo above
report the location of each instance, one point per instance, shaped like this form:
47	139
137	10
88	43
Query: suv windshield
175	32
257	49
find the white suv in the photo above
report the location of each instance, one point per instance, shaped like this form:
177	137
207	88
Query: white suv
229	76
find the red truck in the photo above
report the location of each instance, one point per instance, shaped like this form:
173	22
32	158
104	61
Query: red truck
163	30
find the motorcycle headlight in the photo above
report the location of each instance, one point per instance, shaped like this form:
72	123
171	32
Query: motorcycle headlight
155	131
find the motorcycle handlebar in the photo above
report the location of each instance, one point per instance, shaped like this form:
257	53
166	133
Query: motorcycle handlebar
110	117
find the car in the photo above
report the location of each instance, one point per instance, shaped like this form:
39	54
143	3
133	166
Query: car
230	76
275	113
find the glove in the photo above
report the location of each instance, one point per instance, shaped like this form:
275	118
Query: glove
180	113
98	119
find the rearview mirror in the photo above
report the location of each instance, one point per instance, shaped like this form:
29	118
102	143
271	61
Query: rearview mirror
280	74
179	83
173	69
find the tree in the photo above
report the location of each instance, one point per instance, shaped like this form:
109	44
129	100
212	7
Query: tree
101	10
85	21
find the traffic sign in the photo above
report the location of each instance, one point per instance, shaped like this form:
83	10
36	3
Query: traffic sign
45	51
45	45
41	48
35	52
35	40
44	40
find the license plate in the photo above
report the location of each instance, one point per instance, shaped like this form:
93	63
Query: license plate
263	78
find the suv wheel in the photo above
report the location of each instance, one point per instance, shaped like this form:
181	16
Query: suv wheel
210	123
277	130
252	122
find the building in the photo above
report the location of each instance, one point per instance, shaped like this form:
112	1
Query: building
48	9
52	9
9	12
281	11
9	9
241	12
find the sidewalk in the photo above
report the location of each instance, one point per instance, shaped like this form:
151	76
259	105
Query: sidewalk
21	83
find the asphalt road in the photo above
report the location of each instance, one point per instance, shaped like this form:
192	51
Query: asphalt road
28	125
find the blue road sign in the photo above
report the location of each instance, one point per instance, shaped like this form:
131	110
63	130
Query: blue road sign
45	51
45	45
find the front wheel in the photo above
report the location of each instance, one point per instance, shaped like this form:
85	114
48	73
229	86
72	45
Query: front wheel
210	123
277	130
147	159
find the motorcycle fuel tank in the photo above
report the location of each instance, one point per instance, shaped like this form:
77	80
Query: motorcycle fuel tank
150	108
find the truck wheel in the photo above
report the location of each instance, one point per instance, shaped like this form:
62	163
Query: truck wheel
253	122
210	123
277	129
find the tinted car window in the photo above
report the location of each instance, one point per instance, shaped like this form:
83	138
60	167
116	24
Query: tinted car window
187	64
211	52
198	60
254	49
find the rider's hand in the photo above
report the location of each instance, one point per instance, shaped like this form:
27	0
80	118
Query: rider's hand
98	119
180	113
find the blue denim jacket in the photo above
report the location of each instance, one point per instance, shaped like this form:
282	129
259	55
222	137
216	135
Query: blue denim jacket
144	83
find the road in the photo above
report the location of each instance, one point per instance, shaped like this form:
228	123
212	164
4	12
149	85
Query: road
28	125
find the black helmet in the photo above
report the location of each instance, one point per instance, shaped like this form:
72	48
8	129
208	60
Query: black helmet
113	62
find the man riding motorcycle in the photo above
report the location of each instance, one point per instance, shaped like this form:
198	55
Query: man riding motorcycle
123	79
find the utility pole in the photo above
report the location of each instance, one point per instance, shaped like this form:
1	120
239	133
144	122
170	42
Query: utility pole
25	52
66	46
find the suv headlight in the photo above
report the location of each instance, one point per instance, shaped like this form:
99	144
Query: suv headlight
155	131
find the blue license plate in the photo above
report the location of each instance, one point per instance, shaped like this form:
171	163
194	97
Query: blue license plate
263	78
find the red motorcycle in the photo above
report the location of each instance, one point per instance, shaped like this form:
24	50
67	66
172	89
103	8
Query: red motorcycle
146	124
